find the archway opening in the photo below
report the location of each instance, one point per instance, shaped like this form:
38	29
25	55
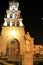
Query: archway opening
13	49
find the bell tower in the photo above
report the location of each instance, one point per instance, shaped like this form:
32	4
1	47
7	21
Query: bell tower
14	43
13	26
13	32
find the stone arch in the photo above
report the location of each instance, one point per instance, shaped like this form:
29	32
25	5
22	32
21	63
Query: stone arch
13	48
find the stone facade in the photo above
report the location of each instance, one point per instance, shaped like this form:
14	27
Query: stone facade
38	49
14	43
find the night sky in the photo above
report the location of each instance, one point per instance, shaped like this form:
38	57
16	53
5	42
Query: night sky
32	13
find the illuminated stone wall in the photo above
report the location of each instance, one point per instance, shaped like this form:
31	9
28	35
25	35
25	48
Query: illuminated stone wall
14	28
38	49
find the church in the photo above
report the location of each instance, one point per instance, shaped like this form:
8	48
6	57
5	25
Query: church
15	44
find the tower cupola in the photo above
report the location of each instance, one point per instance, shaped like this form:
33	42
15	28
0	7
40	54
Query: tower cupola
13	15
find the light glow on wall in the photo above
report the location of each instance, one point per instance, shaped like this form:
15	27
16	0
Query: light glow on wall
13	32
5	24
21	24
10	23
8	16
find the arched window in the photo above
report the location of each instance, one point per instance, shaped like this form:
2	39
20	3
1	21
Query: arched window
13	8
17	23
8	23
15	15
11	15
13	23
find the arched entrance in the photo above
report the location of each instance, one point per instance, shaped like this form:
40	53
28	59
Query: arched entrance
13	49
